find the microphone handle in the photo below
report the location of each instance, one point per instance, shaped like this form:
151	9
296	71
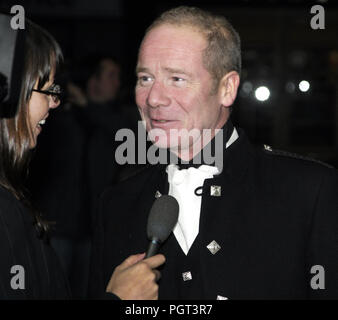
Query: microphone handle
154	245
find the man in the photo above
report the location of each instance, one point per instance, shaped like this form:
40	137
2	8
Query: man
104	83
263	225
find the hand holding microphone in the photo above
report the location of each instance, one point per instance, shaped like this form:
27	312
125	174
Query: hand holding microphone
136	277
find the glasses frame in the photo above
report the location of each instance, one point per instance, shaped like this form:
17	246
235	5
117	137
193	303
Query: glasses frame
55	93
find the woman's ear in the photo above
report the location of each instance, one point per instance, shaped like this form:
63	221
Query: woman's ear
227	90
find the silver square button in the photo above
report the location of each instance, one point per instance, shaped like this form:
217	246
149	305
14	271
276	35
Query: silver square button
215	191
187	276
213	247
158	194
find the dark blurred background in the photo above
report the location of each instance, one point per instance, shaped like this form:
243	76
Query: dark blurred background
288	96
279	51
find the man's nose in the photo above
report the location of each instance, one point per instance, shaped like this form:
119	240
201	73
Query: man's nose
158	96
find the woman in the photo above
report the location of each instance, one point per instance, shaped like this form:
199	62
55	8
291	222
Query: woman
29	268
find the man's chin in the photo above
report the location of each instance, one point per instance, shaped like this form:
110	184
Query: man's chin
172	147
162	143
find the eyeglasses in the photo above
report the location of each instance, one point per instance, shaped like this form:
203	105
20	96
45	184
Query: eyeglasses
54	91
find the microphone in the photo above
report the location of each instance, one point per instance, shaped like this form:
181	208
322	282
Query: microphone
162	219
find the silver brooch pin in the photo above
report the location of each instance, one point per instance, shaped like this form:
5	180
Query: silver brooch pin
213	247
187	276
267	148
215	191
158	194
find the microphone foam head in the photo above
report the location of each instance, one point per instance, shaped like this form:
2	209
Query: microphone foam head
162	218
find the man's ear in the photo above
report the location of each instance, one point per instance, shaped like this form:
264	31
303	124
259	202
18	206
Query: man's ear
227	90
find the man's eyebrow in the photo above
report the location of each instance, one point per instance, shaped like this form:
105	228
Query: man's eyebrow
168	69
142	69
180	71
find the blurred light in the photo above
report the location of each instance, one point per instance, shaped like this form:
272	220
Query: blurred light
304	86
290	87
262	93
298	59
247	87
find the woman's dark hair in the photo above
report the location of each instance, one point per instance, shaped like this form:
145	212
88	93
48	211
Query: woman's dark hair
42	56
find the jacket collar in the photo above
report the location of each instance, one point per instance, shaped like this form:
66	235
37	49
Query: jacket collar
236	159
198	160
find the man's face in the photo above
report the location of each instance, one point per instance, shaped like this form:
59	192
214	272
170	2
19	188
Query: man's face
174	90
109	80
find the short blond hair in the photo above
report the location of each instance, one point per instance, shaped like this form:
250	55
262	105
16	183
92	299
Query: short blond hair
223	51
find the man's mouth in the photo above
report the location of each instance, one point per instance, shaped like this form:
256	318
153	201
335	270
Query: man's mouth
161	121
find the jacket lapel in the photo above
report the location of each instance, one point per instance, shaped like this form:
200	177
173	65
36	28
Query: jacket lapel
223	216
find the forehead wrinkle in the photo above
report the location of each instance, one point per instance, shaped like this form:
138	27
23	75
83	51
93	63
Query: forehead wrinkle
168	60
177	40
175	49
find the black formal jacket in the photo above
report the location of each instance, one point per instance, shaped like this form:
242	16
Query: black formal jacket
276	218
20	246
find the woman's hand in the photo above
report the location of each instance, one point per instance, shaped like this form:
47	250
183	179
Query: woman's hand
135	278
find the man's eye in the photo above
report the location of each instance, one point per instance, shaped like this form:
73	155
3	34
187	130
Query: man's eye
144	78
178	82
178	79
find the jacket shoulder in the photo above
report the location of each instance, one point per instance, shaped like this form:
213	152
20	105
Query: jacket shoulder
268	151
131	171
8	203
11	218
131	180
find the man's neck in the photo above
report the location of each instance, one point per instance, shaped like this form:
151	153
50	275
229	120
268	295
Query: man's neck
195	153
197	146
